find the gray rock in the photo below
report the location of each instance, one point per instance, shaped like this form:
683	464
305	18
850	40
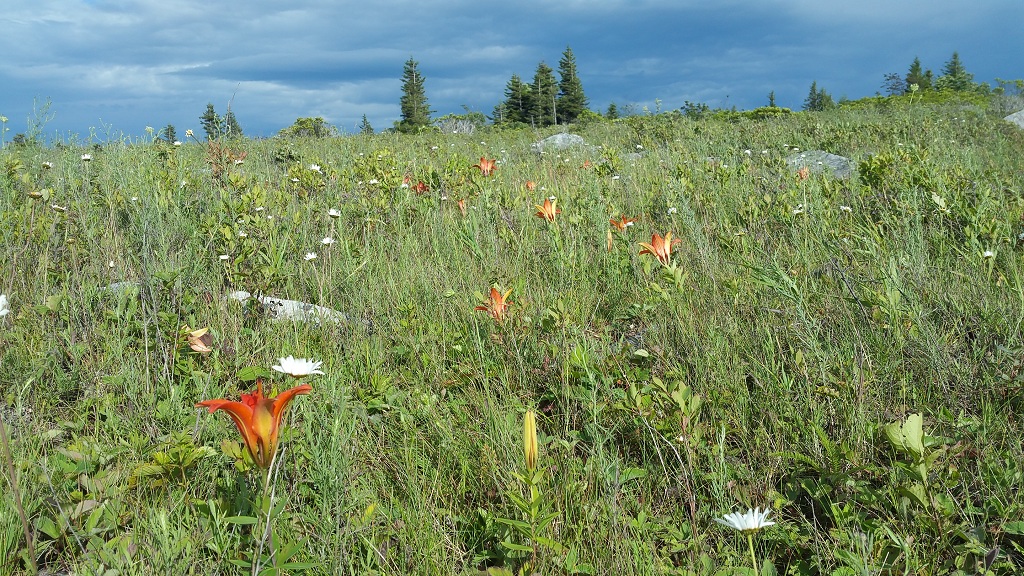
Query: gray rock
1016	118
559	142
281	309
818	161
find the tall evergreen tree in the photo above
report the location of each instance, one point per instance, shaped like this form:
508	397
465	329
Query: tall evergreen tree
543	96
571	100
364	126
916	75
771	99
613	112
212	123
415	110
230	125
955	76
517	106
818	99
170	134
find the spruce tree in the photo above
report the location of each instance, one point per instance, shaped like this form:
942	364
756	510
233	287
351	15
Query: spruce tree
818	99
955	76
543	95
230	125
364	126
170	134
571	100
517	106
415	110
613	112
212	123
916	75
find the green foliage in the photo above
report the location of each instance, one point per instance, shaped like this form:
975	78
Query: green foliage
571	99
818	100
955	77
415	110
309	128
543	96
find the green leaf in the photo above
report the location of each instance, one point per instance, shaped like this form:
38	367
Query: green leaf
241	520
250	373
632	474
913	435
1016	528
516	547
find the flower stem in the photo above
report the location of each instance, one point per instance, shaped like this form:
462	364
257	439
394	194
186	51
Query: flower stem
750	542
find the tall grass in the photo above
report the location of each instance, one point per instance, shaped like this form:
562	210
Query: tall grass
799	318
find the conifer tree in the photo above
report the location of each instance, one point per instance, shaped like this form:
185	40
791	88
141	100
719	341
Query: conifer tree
613	112
415	110
230	125
212	123
170	134
955	76
571	100
517	106
543	96
818	99
916	75
364	126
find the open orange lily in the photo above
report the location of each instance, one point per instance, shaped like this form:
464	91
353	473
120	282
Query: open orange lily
660	248
622	223
548	211
497	305
486	166
258	419
531	185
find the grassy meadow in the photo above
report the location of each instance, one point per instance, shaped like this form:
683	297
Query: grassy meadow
846	353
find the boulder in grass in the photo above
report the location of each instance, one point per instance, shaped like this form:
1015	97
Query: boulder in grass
1016	118
282	309
819	161
559	142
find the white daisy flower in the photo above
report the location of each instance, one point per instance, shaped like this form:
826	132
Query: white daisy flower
753	520
334	213
4	309
298	367
327	241
309	256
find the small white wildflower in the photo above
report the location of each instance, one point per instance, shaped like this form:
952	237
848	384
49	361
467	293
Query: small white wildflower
48	165
327	241
224	257
315	168
309	256
242	234
615	177
189	134
239	162
135	198
552	198
672	210
86	157
846	209
177	142
334	213
432	148
1020	236
639	146
752	520
295	180
747	152
298	367
259	209
4	309
798	210
58	208
444	197
988	254
110	264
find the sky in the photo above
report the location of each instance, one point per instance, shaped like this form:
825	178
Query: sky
110	68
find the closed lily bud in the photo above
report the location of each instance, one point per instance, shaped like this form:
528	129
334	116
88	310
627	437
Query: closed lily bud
530	440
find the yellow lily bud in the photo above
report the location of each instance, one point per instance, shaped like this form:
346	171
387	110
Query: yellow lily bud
530	440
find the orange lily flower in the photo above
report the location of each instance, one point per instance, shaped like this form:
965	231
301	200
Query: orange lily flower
497	305
486	166
622	223
258	419
462	206
548	211
420	187
660	248
803	173
531	185
199	340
